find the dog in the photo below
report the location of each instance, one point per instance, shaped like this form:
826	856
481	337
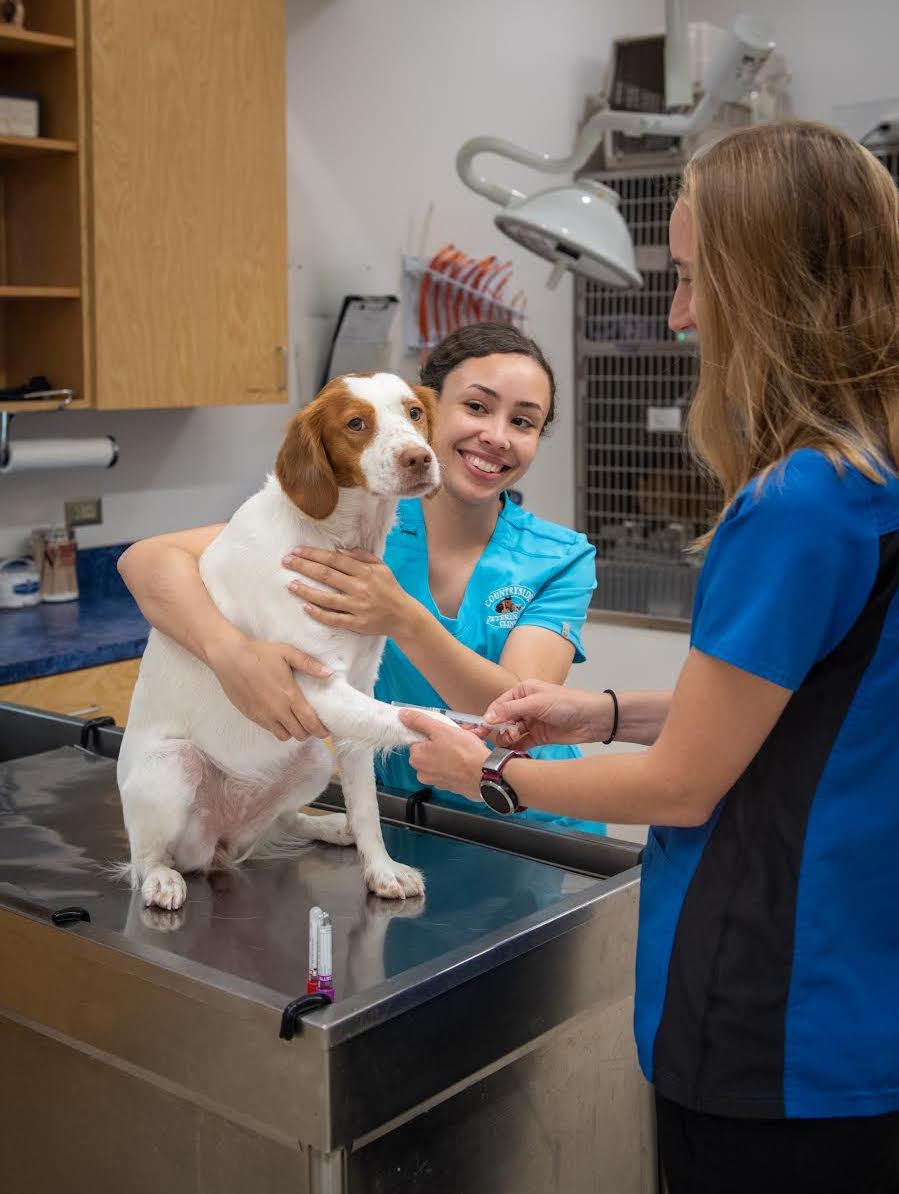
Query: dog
203	786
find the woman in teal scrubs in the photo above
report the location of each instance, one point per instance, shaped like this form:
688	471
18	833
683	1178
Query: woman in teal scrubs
474	593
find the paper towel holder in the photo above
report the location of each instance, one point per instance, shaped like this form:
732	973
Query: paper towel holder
6	417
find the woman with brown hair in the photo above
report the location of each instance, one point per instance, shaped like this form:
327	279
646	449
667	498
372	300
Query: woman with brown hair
768	951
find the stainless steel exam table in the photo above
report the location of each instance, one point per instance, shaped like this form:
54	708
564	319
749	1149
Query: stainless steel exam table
480	1038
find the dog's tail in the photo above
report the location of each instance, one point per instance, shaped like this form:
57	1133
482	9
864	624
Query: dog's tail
121	872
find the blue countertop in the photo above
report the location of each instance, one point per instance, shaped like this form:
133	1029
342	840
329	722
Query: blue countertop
103	626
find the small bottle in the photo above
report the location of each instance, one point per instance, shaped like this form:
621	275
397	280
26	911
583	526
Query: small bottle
325	979
59	579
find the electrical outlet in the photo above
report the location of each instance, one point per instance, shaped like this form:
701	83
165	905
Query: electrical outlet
84	512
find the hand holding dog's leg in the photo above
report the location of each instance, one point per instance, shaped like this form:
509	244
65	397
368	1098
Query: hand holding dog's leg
384	877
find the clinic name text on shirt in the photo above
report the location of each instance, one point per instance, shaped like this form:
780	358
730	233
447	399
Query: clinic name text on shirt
507	604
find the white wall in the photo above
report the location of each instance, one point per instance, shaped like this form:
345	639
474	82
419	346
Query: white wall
175	469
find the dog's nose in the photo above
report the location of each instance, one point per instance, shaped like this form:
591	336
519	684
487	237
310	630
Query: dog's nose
414	458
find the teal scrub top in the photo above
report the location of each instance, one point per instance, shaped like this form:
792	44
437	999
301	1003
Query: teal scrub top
531	573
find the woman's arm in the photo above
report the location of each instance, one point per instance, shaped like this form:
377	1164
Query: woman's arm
467	681
164	578
719	717
366	598
163	575
546	713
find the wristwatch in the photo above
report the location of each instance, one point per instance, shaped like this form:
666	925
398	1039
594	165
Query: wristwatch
496	792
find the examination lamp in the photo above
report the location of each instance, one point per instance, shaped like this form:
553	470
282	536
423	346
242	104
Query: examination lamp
578	226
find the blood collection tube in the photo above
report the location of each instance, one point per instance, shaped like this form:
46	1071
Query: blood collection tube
315	922
325	978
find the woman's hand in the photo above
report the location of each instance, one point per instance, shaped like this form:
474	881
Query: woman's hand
450	758
362	594
543	713
258	679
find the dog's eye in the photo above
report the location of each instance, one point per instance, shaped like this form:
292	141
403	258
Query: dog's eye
415	413
356	424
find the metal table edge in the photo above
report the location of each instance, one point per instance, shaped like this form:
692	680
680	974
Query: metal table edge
401	993
422	983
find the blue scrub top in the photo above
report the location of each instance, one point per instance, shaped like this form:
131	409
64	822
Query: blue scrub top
768	950
531	573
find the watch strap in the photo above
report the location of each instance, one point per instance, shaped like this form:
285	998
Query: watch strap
492	773
496	761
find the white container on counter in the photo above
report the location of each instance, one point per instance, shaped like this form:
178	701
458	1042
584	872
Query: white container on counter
20	583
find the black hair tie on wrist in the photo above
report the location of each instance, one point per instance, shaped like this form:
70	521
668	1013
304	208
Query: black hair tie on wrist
611	736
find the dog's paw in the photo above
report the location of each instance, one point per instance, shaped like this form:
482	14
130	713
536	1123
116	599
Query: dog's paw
164	888
394	881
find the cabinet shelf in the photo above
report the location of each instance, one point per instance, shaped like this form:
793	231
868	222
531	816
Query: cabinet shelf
29	147
11	406
25	41
84	255
39	292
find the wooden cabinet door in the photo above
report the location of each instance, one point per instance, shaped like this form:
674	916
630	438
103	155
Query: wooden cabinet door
188	188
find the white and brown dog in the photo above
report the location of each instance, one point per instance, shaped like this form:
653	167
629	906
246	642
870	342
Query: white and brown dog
199	781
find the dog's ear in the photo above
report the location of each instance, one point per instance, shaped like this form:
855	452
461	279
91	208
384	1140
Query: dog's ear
303	468
428	400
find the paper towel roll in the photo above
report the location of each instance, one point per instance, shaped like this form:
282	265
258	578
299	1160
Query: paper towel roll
26	455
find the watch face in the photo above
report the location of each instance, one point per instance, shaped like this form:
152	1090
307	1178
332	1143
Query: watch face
496	796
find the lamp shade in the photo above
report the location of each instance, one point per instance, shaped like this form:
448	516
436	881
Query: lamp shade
578	227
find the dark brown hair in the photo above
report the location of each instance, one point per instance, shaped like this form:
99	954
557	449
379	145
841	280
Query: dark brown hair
484	340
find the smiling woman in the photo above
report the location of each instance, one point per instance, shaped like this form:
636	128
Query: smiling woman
474	593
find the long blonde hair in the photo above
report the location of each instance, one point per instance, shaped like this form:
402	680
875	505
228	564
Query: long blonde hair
796	280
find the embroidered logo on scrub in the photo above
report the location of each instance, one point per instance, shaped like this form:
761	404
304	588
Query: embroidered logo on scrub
507	604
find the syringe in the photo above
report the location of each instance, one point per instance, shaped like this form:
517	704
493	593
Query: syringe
461	719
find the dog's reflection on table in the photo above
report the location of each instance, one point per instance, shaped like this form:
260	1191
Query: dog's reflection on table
252	921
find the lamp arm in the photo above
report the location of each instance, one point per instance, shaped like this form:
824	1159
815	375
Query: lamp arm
637	124
678	77
729	75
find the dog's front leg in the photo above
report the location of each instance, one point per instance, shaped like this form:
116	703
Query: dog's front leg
384	877
351	714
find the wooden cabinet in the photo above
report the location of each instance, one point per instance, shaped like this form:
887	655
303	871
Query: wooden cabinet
143	261
188	179
42	242
90	692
